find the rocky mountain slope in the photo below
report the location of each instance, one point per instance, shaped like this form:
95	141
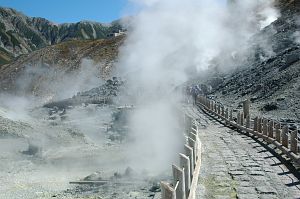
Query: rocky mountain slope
52	63
272	84
20	34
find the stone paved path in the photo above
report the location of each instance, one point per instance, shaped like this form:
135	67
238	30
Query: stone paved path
236	166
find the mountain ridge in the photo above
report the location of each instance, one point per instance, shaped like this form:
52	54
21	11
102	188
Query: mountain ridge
20	34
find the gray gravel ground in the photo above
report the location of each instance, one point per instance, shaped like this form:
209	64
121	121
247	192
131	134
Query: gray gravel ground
65	147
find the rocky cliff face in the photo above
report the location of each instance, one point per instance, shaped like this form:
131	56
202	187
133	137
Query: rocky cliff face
20	34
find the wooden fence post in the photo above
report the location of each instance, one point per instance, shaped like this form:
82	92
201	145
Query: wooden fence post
271	129
255	124
230	116
216	110
259	126
185	163
226	114
194	129
248	122
265	126
189	153
294	141
192	144
278	132
242	119
178	176
246	108
167	192
193	136
285	136
238	119
188	122
223	111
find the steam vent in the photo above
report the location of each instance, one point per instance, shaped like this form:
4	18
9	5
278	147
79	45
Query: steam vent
150	99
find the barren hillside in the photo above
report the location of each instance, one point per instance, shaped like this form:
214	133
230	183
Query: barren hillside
65	57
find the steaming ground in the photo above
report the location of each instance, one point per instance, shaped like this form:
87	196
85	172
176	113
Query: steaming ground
46	149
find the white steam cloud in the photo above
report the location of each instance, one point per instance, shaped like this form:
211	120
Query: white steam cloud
171	41
55	83
39	84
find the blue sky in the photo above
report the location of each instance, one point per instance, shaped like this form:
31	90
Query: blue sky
61	11
67	11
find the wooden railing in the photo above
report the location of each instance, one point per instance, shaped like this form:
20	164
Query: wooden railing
185	176
271	131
